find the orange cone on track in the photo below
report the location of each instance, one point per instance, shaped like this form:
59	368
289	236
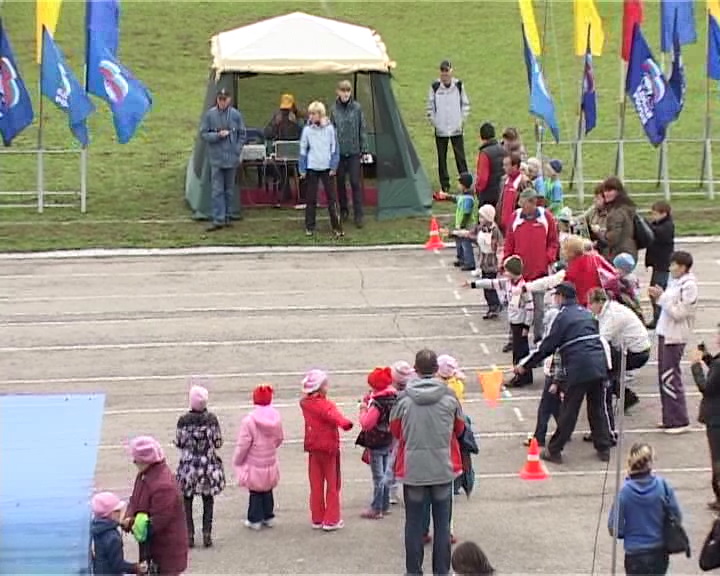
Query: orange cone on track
491	385
434	242
534	469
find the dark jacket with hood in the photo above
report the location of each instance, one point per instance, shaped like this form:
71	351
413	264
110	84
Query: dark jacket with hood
349	122
709	386
620	231
107	547
576	337
642	513
658	253
427	420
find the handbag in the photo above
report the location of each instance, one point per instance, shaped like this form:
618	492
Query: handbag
710	553
674	535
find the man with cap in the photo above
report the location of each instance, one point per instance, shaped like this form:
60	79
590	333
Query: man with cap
575	336
349	120
489	170
223	129
448	106
532	234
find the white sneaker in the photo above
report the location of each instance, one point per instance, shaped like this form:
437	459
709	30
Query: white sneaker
269	523
677	430
317	526
253	525
333	527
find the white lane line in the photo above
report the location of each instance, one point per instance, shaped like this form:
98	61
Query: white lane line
518	414
465	311
484	348
442	262
227	343
448	278
474	329
457	295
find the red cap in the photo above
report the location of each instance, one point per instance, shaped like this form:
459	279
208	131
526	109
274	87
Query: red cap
263	395
380	378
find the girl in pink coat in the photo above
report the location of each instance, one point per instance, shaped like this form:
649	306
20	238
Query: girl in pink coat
255	461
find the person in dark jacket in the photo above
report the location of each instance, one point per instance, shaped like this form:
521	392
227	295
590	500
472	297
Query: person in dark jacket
349	121
489	170
285	125
156	494
709	386
223	129
658	253
574	334
620	222
107	546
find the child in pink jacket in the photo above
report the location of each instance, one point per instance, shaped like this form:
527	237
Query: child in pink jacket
256	461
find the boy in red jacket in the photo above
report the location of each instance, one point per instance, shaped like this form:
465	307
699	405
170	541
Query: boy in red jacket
322	443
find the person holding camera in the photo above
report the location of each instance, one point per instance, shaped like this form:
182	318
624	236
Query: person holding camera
709	386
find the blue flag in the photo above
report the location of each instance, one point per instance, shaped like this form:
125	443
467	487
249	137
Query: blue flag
677	15
16	112
541	104
107	78
713	55
677	80
59	85
589	96
648	90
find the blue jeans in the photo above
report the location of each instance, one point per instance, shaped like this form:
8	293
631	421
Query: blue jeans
549	407
222	181
379	459
465	252
418	499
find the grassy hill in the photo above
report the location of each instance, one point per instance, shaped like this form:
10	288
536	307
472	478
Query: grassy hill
136	190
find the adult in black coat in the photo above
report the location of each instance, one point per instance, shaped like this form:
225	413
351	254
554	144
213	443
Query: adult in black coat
709	386
575	335
657	256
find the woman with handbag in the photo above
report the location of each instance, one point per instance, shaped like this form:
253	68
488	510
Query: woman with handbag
647	512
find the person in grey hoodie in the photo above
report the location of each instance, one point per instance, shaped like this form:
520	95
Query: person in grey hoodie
427	420
349	121
223	129
447	108
318	163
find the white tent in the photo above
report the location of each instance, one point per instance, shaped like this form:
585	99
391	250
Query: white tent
299	43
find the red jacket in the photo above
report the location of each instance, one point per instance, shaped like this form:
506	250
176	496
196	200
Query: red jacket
535	240
583	272
508	200
156	493
322	420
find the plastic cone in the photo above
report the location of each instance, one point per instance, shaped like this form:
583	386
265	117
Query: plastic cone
434	242
534	469
491	385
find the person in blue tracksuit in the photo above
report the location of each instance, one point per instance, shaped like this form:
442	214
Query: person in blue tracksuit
575	335
107	546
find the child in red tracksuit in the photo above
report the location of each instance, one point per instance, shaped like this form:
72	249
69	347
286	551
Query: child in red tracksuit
322	443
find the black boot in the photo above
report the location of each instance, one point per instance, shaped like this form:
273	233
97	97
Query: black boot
207	540
188	502
208	505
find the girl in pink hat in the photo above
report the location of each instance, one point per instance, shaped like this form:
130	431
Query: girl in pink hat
200	469
107	544
322	443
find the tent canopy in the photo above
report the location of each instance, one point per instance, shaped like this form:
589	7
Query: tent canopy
299	43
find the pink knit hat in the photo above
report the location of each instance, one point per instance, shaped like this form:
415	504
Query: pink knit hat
198	398
105	503
447	366
146	450
313	381
402	373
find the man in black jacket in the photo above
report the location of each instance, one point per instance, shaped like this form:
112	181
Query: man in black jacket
489	169
658	253
575	336
709	386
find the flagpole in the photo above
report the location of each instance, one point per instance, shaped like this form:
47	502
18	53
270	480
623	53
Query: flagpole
577	156
539	128
83	148
40	142
706	171
620	159
663	174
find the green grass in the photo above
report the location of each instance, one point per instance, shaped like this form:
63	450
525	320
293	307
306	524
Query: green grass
166	44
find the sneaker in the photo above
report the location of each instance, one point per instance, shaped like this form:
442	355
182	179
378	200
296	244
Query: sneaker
457	264
207	540
371	515
253	525
317	526
309	233
214	228
603	455
467	268
269	523
490	315
427	539
338	234
675	430
300	206
546	455
507	348
333	527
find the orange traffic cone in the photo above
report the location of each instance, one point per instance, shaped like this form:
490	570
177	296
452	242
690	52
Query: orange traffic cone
534	469
434	242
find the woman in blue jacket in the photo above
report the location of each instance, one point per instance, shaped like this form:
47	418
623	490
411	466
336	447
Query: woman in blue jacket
642	515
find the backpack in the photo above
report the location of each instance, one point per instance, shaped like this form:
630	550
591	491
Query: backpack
436	86
379	436
643	232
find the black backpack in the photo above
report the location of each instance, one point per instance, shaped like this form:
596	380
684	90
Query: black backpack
379	436
643	233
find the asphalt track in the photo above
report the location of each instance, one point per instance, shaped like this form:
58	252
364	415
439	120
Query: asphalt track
137	328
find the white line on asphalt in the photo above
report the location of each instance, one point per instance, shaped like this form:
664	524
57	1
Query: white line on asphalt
442	262
456	294
447	277
474	329
518	414
226	343
465	311
484	348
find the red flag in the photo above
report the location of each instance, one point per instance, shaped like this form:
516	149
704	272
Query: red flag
632	14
